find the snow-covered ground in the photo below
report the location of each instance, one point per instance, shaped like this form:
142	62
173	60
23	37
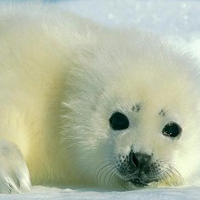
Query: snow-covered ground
145	194
177	20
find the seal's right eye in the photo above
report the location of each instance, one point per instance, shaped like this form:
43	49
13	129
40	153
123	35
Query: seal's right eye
119	121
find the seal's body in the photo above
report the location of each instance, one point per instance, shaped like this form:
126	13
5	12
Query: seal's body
84	105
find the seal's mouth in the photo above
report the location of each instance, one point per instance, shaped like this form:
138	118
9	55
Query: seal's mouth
142	170
137	170
139	182
165	177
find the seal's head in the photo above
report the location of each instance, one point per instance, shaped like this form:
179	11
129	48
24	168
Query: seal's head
133	119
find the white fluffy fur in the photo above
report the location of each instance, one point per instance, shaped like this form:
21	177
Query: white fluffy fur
62	77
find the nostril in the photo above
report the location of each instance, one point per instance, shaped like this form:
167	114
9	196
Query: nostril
134	160
139	160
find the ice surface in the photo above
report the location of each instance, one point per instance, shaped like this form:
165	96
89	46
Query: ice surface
39	192
177	20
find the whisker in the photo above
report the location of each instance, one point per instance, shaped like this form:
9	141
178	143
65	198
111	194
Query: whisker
100	172
123	185
167	172
105	177
111	176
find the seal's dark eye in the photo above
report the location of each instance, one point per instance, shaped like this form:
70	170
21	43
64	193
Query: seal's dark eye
119	121
171	129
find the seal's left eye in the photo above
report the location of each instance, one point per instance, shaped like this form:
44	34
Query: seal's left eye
172	129
119	121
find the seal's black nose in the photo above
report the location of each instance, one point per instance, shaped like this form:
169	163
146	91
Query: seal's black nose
139	160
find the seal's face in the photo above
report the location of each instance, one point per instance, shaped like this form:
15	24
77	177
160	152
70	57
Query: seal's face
149	133
135	121
140	168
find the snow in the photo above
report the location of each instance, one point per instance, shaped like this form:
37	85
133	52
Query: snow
176	20
39	192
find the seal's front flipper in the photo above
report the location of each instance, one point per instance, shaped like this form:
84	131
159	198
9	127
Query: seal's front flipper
14	174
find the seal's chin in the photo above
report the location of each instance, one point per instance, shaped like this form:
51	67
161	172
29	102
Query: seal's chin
140	182
172	180
156	182
141	170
